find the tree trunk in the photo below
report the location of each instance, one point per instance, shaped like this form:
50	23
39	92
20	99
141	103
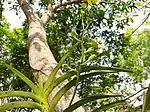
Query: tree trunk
41	58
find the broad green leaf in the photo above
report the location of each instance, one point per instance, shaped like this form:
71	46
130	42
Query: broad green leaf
89	99
52	75
20	104
23	77
146	102
90	1
95	44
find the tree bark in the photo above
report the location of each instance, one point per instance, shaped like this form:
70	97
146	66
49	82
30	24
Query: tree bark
41	58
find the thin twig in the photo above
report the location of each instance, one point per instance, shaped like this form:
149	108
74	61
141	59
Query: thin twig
75	2
136	93
142	22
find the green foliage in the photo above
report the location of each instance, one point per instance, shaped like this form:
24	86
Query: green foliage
41	97
108	106
146	102
99	27
13	49
52	75
19	104
89	98
135	53
22	76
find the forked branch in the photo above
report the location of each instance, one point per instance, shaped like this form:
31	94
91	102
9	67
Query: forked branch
50	13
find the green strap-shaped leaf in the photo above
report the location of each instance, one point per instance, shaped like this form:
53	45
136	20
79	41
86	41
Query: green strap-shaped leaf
146	102
76	86
59	94
20	104
72	83
89	99
53	73
117	69
40	83
108	106
57	82
23	77
63	77
20	93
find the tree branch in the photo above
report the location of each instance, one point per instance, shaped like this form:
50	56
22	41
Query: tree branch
28	10
142	22
67	3
136	93
49	14
75	2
